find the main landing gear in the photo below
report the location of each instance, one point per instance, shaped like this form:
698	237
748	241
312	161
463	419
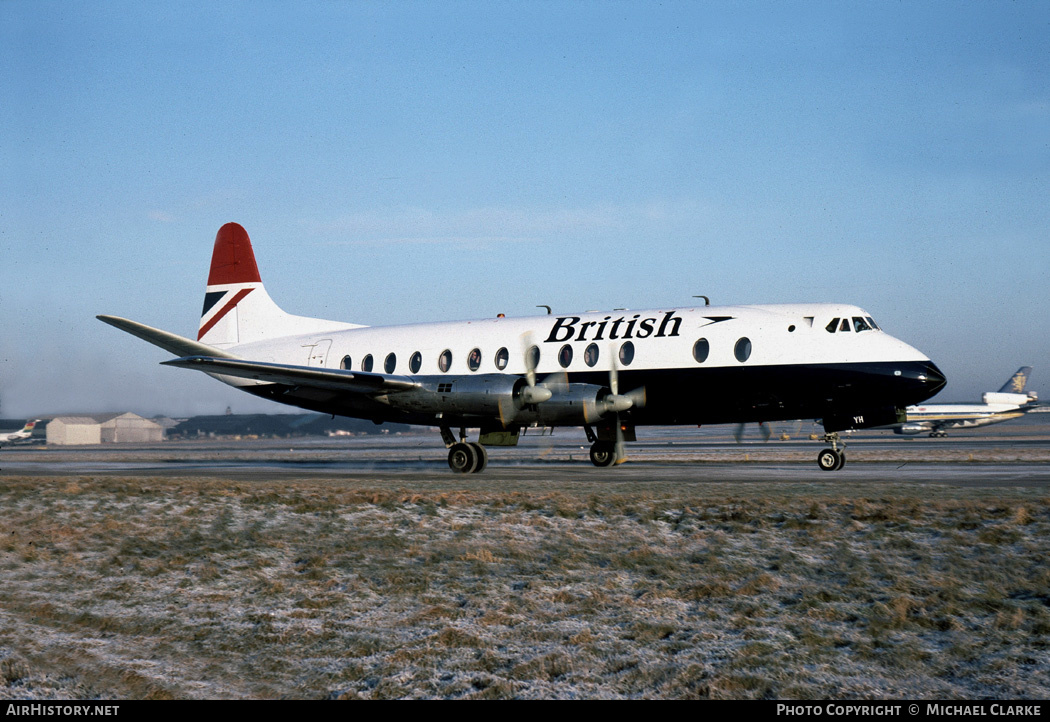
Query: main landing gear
832	459
603	453
464	457
467	457
607	443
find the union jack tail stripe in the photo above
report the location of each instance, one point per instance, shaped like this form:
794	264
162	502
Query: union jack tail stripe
213	297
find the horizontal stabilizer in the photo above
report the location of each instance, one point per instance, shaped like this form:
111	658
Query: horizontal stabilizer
333	379
168	341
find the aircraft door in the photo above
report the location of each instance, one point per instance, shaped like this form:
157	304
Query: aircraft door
317	353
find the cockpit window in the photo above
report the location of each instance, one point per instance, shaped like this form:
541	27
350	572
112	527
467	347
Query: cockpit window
844	326
871	322
833	326
859	324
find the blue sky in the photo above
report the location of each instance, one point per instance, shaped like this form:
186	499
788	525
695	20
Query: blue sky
406	161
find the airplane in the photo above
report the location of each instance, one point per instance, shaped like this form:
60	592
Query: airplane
24	433
606	372
1010	402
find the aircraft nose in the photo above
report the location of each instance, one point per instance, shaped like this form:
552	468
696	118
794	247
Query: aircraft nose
917	381
934	378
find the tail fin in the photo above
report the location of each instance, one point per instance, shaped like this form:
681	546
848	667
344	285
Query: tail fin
30	425
1017	382
237	309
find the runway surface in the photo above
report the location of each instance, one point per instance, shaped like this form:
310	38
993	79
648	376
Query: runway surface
1014	455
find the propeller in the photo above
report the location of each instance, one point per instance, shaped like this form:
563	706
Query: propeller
615	403
739	433
532	394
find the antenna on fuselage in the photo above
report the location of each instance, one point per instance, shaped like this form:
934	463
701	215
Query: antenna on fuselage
546	307
707	301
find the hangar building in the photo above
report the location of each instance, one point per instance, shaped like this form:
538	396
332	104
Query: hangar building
103	429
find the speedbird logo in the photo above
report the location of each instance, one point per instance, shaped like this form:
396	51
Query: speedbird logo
568	328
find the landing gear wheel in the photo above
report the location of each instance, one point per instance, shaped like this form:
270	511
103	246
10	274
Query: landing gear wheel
463	458
831	460
602	453
483	457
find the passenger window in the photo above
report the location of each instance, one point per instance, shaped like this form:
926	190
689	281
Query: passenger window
502	357
845	325
833	326
390	363
474	359
346	363
366	363
859	324
742	350
701	349
627	353
445	361
565	356
590	355
415	362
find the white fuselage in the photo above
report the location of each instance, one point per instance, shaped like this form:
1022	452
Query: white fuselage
662	339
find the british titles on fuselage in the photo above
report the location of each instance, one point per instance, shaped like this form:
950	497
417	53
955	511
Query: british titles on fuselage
567	327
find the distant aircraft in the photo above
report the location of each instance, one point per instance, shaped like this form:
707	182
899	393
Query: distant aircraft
24	433
607	372
1010	402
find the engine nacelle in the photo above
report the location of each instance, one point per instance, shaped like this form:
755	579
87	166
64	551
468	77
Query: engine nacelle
1005	399
488	395
501	396
910	429
572	405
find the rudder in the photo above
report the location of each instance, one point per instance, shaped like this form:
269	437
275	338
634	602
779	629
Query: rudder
233	275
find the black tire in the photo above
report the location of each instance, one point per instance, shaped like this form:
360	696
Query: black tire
602	454
462	458
483	457
830	460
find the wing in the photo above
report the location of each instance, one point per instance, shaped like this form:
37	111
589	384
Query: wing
312	376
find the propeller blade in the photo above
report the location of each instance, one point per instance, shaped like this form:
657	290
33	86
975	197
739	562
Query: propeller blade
619	450
532	394
558	382
637	397
616	403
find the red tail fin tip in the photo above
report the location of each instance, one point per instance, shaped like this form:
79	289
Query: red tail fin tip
232	260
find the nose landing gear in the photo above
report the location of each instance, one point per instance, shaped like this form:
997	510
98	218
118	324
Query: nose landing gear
832	459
